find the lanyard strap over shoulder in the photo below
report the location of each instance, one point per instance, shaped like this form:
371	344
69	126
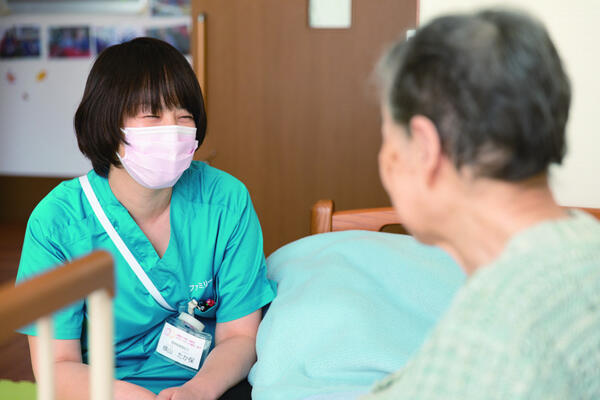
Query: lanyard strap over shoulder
123	249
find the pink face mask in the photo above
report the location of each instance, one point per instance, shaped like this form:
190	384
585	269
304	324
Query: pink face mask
157	156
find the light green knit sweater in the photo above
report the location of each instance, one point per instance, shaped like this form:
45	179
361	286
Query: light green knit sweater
526	326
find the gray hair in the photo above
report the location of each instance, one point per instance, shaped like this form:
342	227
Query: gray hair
493	84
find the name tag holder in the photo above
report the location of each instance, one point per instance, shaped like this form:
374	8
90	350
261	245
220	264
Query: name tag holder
183	342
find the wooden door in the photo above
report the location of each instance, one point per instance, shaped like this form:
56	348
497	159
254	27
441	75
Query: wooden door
291	110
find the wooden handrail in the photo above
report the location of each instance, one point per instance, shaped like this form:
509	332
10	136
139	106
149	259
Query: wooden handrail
374	219
324	218
54	290
321	214
593	211
371	219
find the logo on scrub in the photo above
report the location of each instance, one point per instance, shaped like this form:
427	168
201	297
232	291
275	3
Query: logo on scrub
200	285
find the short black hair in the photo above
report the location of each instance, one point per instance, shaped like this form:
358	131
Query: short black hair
493	84
124	79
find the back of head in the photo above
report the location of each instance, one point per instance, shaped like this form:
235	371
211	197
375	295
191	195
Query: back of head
492	83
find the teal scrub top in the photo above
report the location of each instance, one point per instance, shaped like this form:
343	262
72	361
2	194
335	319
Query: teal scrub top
215	252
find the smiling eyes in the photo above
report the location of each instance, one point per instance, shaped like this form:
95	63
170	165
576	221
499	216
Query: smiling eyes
187	117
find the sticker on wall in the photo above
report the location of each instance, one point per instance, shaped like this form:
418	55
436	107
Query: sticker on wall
10	77
41	76
19	41
170	7
105	36
69	42
177	36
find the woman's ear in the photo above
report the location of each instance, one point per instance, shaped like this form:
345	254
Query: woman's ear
427	147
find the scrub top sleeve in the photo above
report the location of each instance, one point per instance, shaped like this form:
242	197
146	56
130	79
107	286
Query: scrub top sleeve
242	283
39	255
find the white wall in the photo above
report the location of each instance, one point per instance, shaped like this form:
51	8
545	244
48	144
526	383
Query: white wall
36	133
575	29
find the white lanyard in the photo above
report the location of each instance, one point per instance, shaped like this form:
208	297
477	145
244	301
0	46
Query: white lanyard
112	233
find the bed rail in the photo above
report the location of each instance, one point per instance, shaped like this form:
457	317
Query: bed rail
35	299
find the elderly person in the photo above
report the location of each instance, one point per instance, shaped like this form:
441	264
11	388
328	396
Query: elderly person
474	112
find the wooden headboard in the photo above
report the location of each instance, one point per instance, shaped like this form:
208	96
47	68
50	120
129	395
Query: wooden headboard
324	218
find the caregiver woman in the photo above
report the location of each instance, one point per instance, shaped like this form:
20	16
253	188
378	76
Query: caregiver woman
190	234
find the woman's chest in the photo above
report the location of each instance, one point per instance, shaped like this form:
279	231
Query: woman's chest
177	278
158	233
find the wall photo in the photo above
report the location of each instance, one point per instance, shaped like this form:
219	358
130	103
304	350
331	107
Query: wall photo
177	36
106	36
170	7
68	42
19	41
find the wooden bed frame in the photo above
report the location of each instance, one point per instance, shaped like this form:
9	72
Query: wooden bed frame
34	300
324	218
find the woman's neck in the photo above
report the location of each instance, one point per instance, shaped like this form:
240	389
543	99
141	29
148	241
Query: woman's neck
145	205
482	222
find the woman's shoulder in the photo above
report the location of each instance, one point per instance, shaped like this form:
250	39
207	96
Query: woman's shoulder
208	175
63	203
206	184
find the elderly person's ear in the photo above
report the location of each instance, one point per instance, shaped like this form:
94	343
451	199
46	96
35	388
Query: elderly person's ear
426	145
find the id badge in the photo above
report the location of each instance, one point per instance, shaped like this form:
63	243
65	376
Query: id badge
182	345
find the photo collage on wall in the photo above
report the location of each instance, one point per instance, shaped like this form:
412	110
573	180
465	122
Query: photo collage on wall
78	41
19	41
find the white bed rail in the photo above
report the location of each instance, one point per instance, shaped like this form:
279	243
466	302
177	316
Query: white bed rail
34	300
